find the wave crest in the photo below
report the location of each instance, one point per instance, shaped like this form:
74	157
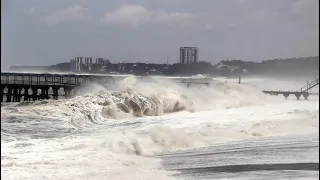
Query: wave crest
138	105
134	98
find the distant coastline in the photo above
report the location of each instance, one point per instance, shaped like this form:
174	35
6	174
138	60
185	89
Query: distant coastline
305	66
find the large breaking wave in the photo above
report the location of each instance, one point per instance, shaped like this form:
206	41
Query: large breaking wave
132	97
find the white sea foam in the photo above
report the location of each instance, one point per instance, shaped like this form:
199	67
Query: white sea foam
110	133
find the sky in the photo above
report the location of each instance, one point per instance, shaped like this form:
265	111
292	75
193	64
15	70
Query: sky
43	32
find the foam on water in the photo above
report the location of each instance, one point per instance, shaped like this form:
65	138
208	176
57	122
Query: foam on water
131	98
112	132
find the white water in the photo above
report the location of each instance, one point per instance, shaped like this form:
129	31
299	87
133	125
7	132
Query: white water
114	134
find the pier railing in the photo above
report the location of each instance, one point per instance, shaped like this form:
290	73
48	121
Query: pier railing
304	91
310	85
53	79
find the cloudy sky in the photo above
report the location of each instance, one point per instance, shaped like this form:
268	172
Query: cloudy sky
43	32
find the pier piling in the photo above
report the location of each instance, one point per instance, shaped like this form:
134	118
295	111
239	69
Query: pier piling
25	93
2	89
297	95
55	93
9	93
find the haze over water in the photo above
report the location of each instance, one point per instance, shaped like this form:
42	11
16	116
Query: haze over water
163	130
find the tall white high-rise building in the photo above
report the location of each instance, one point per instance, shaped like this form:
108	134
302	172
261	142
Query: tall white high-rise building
78	63
73	65
189	55
88	63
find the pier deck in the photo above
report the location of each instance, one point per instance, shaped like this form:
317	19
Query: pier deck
287	93
305	91
18	85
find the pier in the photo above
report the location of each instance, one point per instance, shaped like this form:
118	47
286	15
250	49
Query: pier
16	87
203	81
305	91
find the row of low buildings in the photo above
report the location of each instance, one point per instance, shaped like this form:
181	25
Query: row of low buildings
187	55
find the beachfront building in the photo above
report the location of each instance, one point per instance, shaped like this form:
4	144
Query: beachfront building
189	55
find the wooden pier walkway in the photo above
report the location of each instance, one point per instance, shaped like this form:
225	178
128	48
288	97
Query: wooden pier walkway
305	91
31	87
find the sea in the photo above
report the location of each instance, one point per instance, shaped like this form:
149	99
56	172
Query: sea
158	129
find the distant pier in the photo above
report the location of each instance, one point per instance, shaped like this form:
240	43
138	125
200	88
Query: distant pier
16	87
287	93
305	91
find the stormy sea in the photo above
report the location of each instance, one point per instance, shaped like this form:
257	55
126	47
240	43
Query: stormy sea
161	129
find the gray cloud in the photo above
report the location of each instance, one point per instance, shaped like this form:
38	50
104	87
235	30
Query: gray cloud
136	15
149	31
70	14
31	10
